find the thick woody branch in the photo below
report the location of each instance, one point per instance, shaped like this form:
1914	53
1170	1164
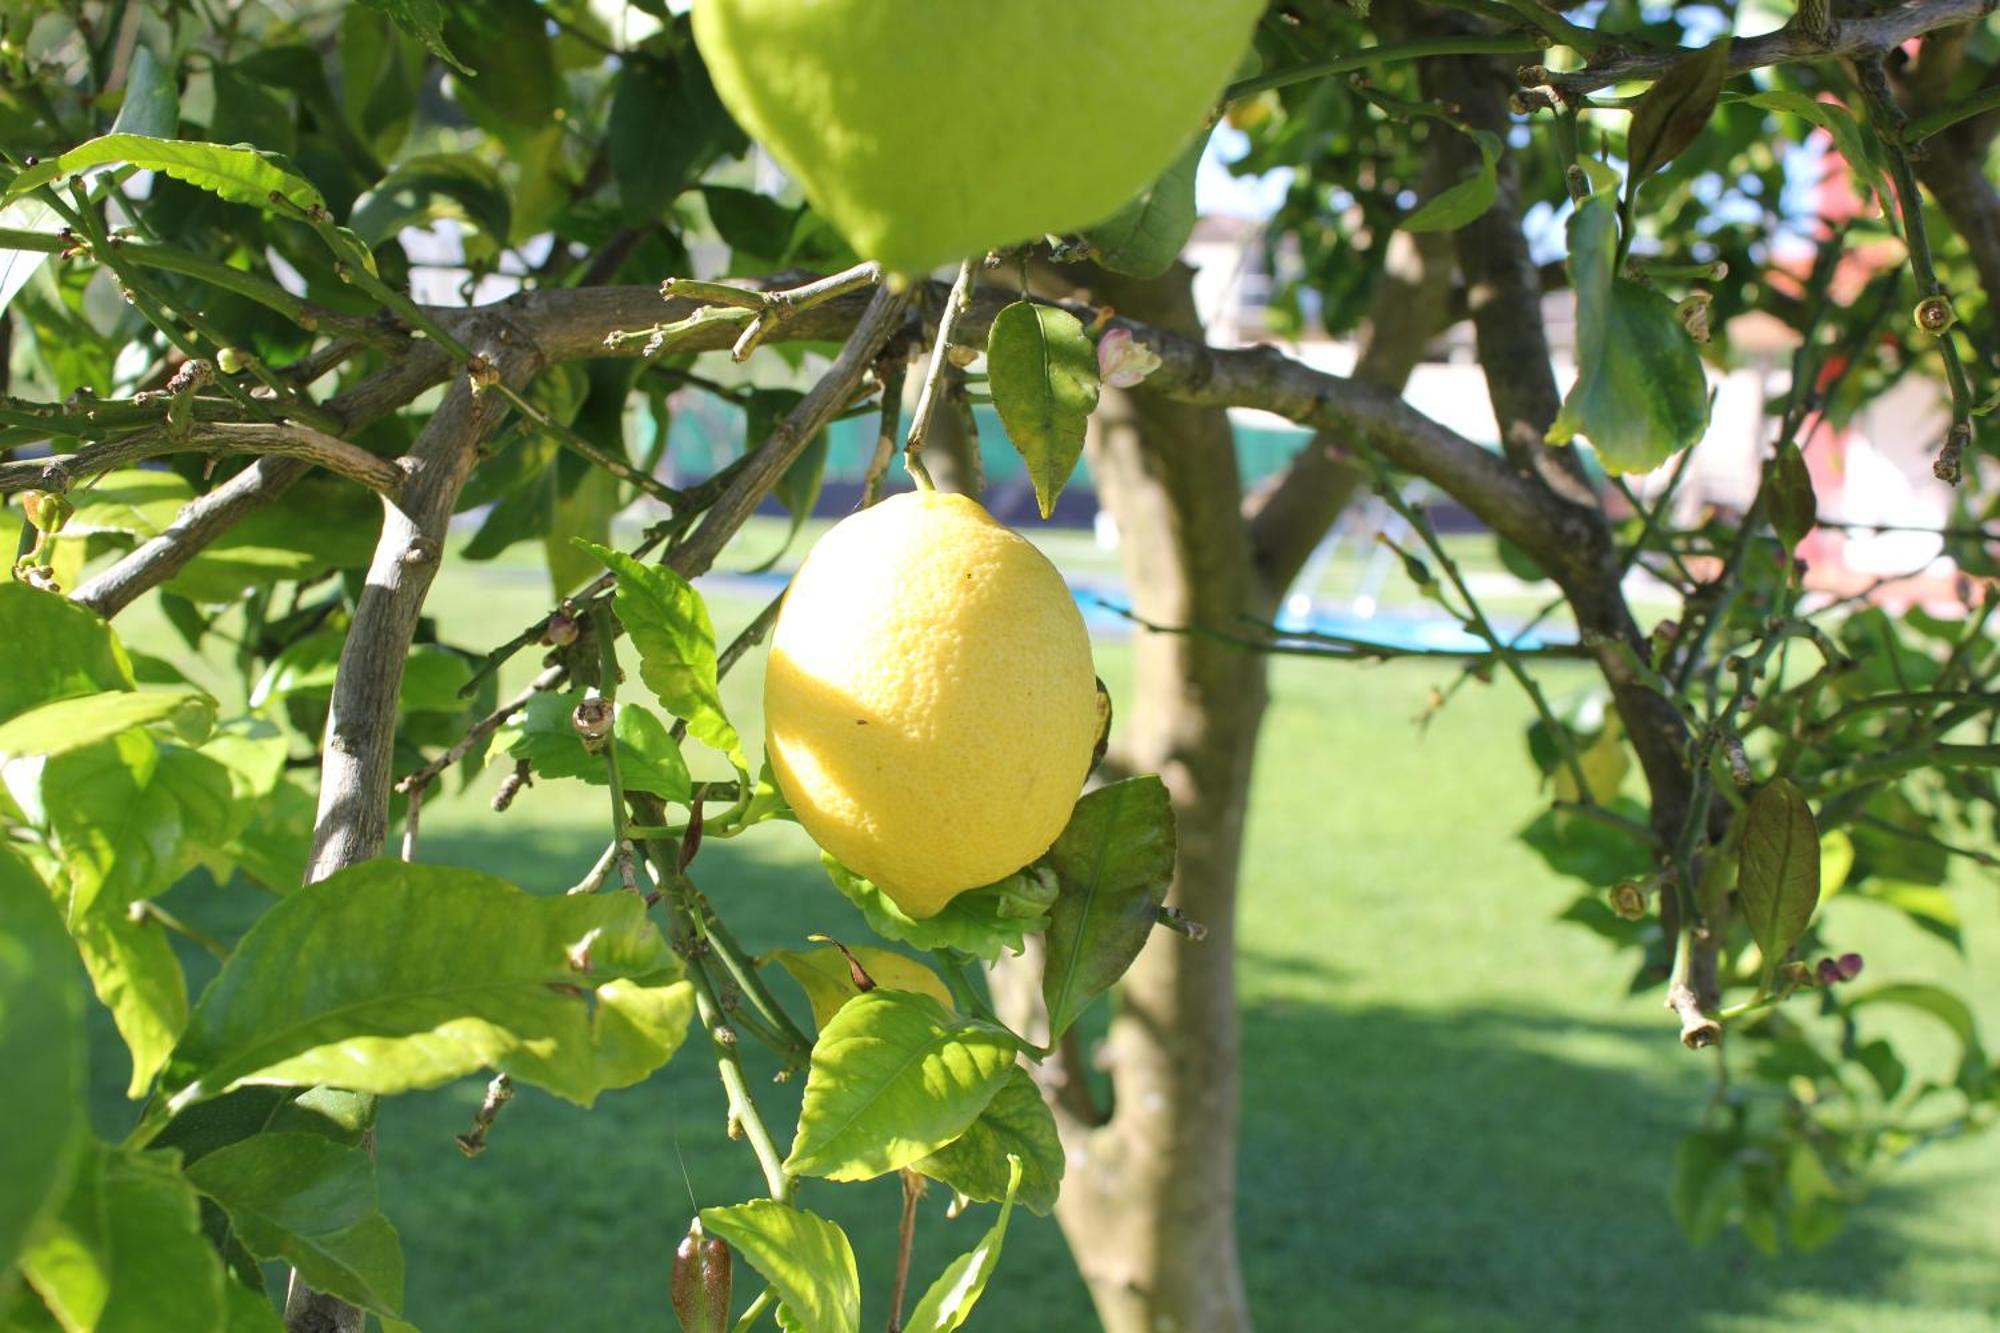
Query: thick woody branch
1788	45
200	522
270	439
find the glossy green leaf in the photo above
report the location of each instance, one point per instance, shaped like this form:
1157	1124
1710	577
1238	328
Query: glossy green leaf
1777	871
894	1077
275	844
70	724
422	974
513	84
1460	203
981	922
428	186
1016	1124
648	758
423	20
74	650
237	173
948	1303
803	1256
1675	110
1640	395
1114	863
152	104
339	1117
1144	238
18	266
1042	369
310	1202
42	1049
669	625
584	513
138	977
126	1253
827	978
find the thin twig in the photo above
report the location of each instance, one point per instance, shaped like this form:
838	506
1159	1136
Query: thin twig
927	402
906	1235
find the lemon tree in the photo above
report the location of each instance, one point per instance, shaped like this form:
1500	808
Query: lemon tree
304	303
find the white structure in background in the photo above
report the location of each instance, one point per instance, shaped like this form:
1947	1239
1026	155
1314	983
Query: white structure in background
1876	472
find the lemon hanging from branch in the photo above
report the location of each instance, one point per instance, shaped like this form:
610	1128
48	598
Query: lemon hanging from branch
930	706
930	131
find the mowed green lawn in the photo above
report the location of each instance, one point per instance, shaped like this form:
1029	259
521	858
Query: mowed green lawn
1454	1116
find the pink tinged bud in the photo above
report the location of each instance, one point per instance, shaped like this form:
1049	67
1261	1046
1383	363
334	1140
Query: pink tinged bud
1829	972
1850	966
1122	361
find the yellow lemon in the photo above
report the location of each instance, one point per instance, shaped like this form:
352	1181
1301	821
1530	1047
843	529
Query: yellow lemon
930	706
933	130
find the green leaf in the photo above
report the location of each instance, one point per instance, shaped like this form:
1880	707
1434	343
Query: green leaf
1675	110
135	502
513	84
423	20
1456	205
894	1078
1818	1208
152	104
1042	369
665	125
274	846
312	1203
1640	395
981	922
70	724
1948	1009
75	651
648	758
42	1049
1016	1125
669	625
1777	870
238	173
827	977
137	977
585	513
803	1256
425	973
18	266
249	1311
1929	908
1793	507
948	1304
428	186
1113	863
1144	238
1704	1171
126	1253
1855	145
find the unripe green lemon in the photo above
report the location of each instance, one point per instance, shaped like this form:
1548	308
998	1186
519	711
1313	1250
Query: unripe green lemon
930	706
930	131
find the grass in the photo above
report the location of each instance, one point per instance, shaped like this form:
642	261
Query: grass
1454	1116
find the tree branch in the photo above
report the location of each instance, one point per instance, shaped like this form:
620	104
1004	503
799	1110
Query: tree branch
1851	37
274	439
200	522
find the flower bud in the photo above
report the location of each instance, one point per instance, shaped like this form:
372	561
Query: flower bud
46	511
1828	972
1934	315
561	630
1849	965
700	1287
1122	361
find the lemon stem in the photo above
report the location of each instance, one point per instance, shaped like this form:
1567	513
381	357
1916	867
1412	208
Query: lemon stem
927	402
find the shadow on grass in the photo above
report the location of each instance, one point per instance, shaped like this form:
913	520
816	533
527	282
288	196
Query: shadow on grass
1401	1170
